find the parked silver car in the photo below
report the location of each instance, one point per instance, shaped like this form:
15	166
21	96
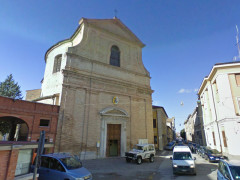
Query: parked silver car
228	170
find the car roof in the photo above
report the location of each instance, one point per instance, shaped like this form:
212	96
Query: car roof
57	155
143	144
232	162
181	149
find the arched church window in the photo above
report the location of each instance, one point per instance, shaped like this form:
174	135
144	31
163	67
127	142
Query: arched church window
57	63
115	56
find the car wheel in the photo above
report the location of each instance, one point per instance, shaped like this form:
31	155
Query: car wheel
139	160
128	160
151	159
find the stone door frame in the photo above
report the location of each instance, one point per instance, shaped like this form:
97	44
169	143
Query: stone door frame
113	115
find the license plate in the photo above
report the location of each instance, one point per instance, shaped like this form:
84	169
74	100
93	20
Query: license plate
217	159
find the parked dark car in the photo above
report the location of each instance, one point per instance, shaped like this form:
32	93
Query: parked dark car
212	155
169	146
61	166
202	150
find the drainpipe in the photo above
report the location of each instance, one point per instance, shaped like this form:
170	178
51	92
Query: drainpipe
216	120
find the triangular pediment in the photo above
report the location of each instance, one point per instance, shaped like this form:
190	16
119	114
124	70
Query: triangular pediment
114	26
114	111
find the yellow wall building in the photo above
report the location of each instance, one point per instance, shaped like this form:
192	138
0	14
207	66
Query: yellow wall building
159	127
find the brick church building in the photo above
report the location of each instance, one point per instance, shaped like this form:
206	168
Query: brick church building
98	78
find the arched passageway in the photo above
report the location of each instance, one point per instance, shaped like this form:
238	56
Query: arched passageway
13	129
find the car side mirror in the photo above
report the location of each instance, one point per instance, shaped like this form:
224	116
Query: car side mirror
170	158
195	158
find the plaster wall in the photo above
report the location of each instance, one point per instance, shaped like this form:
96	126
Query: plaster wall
52	82
235	89
225	105
224	101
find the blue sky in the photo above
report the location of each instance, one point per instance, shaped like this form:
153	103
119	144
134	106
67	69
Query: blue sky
184	39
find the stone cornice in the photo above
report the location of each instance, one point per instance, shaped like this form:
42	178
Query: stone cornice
127	84
236	119
63	42
96	91
107	65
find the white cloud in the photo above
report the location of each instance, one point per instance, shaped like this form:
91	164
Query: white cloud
196	90
184	91
156	103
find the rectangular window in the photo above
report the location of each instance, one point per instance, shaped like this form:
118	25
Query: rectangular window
44	122
154	123
224	139
237	76
57	63
23	162
155	139
214	142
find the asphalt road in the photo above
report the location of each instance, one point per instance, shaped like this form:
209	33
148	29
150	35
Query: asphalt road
204	169
161	169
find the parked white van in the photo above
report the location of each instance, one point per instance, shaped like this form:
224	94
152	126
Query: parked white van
183	161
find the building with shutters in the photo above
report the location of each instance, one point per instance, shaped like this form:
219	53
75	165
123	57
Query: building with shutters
194	126
98	78
220	100
160	127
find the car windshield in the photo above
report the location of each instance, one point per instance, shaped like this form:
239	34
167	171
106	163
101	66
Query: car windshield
170	144
138	147
209	151
235	170
212	151
71	163
182	156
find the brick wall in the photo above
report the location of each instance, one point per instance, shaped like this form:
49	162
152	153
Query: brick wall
12	163
31	113
4	158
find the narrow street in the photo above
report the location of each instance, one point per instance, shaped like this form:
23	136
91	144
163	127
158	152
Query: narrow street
118	169
205	170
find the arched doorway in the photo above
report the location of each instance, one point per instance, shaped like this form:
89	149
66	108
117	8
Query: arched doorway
13	129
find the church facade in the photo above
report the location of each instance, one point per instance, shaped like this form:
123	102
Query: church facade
98	78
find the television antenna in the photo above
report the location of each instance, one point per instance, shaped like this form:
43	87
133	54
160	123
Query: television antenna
235	58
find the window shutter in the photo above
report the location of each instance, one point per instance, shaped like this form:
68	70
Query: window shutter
224	139
154	123
237	76
214	141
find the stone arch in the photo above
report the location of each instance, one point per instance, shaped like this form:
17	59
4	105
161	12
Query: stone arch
15	129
